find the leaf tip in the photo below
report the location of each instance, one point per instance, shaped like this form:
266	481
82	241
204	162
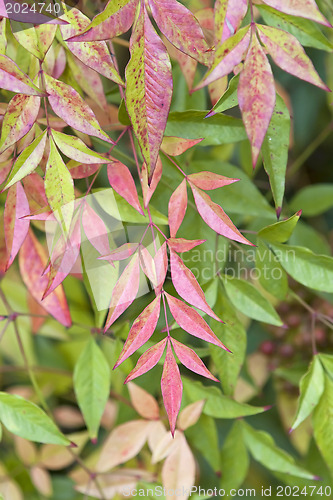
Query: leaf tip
73	445
278	212
268	407
212	112
93	440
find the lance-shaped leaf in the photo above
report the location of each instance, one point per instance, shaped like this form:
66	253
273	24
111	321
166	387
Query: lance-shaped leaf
178	472
161	266
172	388
143	402
181	28
92	385
187	286
289	54
181	245
148	88
147	361
190	320
95	230
13	79
16	228
69	105
59	186
190	415
177	208
76	149
191	360
228	100
114	20
36	39
301	8
95	54
312	386
210	180
28	160
125	291
215	217
32	260
121	253
141	331
82	171
227	56
147	265
122	182
148	189
20	116
256	95
228	16
175	146
322	423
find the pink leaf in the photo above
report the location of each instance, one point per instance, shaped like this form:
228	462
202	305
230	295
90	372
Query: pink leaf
125	291
32	260
161	266
147	361
16	228
209	180
82	171
148	189
148	88
172	388
148	265
181	245
190	415
187	286
256	96
122	182
34	188
187	64
191	360
95	230
143	402
301	8
141	331
13	79
190	320
121	253
216	218
175	146
178	471
228	17
181	28
177	208
289	54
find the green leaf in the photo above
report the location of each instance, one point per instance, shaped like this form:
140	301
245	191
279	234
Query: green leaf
275	150
217	405
263	449
92	385
314	271
229	99
76	149
27	420
311	388
280	231
247	299
271	274
323	423
327	361
234	459
305	235
313	200
216	130
123	115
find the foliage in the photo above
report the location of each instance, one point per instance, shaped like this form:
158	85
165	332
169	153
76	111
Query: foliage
121	193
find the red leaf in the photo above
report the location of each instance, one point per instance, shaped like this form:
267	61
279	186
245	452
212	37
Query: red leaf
95	230
121	253
181	245
34	188
149	189
209	180
216	218
177	208
32	261
124	291
172	388
16	228
141	331
301	8
161	266
228	17
175	146
148	265
147	361
190	320
191	360
122	182
187	286
82	171
256	95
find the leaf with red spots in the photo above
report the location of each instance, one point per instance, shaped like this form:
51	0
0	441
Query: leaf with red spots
181	245
175	146
148	88
148	189
13	79
125	291
289	54
32	260
181	28
69	105
114	20
177	208
301	8
16	228
76	149
216	218
228	17
209	180
191	360
141	331
190	320
256	95
172	388
147	361
122	182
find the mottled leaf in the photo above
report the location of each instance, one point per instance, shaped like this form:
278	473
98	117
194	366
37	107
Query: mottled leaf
175	146
16	228
172	388
181	245
301	8
13	79
76	149
177	208
191	360
228	16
